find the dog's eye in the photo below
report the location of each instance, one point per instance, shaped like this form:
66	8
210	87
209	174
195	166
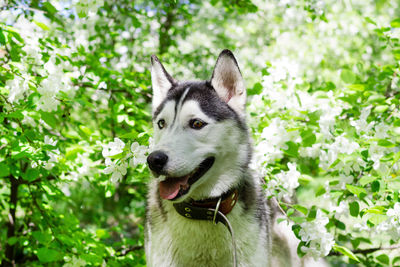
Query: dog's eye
197	124
161	123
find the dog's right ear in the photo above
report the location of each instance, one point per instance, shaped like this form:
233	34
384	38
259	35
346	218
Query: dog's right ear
161	81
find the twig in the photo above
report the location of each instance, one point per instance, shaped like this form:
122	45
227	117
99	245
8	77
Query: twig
367	250
126	251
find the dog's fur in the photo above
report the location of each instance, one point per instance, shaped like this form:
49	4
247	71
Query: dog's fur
172	240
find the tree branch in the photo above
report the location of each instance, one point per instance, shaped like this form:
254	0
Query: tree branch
10	249
366	250
126	251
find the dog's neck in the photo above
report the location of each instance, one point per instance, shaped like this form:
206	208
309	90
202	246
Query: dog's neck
207	208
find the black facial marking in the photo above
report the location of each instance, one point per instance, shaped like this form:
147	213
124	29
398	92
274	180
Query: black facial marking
203	93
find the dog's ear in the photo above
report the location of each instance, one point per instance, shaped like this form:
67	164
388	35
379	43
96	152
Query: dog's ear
161	81
228	81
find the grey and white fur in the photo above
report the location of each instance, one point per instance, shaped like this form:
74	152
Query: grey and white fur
179	149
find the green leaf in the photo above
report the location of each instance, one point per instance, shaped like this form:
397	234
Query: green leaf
383	258
385	143
289	212
320	191
300	253
375	186
279	220
336	162
16	115
49	118
305	179
102	233
293	149
357	87
354	208
31	174
48	255
308	138
42	237
300	208
375	210
395	23
312	213
4	170
85	130
298	220
92	258
12	240
50	8
395	260
381	108
376	219
366	180
257	89
2	38
369	20
356	190
347	76
41	25
345	251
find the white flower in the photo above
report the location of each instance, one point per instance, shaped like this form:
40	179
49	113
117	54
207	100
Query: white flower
139	154
361	125
340	210
47	103
344	145
394	214
381	130
56	81
117	170
361	227
315	234
49	141
274	138
311	152
54	155
17	87
113	148
288	180
75	262
376	153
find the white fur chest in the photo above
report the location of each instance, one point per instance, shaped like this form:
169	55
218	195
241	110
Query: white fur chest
182	242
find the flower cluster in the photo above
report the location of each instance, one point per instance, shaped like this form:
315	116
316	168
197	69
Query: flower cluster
38	61
318	239
284	183
117	158
392	224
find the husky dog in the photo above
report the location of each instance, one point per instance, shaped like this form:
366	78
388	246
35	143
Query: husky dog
200	161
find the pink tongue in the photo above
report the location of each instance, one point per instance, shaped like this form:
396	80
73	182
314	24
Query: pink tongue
170	187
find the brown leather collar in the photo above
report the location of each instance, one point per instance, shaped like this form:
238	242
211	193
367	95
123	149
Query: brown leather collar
206	209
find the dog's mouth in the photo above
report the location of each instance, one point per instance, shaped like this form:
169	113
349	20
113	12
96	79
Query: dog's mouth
173	188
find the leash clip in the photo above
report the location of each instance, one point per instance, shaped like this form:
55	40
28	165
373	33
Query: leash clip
216	210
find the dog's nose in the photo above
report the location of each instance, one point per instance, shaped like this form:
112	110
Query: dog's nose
157	160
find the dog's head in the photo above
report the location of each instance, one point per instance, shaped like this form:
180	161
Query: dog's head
200	138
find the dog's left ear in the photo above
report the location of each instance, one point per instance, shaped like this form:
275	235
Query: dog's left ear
161	81
228	81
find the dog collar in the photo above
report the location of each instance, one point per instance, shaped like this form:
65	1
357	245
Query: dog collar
208	209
